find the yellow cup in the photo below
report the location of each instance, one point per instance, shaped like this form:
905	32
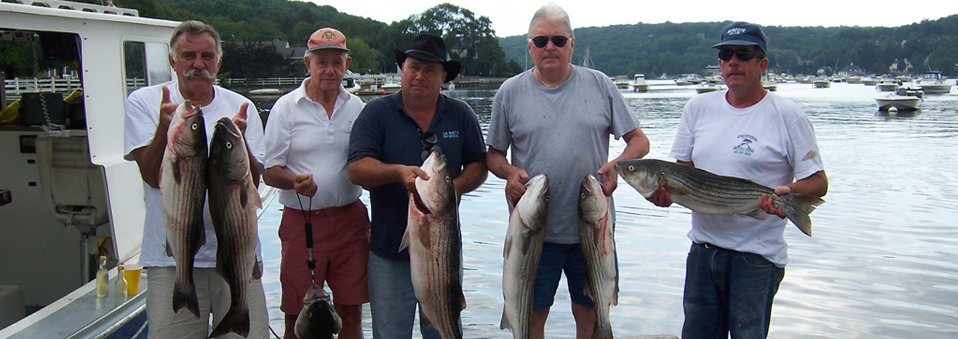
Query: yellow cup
132	275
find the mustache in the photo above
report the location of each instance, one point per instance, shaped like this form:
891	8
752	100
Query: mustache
193	72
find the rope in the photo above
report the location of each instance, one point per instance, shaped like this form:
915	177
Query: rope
309	238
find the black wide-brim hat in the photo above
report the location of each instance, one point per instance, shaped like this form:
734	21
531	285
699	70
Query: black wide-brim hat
428	47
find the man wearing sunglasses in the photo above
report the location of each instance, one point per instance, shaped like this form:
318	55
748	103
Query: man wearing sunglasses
736	263
557	118
390	140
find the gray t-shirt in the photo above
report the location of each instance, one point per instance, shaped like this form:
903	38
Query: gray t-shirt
562	132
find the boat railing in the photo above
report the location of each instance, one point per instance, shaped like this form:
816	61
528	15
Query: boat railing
17	86
79	6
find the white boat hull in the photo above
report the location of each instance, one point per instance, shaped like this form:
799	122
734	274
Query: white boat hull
899	103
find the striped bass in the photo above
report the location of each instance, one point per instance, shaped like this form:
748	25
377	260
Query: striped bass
182	195
233	202
434	242
317	319
521	254
598	250
708	193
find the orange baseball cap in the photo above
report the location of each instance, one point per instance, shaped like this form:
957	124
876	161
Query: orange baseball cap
326	38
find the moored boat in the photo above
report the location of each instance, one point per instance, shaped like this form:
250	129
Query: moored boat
933	83
904	99
821	83
639	84
708	86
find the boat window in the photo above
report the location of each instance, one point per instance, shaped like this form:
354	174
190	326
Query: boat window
145	64
41	79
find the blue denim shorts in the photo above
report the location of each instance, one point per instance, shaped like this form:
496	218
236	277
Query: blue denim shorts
555	259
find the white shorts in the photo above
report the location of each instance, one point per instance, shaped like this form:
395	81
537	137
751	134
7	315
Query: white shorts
213	295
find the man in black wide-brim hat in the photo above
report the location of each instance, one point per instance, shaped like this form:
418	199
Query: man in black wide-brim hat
389	141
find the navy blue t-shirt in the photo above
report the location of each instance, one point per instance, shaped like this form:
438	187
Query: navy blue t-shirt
384	131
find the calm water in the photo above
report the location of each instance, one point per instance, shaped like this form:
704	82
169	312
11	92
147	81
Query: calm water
883	261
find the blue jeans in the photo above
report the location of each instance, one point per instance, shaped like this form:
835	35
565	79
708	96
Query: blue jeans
555	259
728	292
392	300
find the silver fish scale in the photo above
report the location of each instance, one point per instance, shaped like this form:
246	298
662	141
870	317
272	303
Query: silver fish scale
708	192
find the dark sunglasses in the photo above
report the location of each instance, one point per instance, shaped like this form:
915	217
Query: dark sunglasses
742	54
558	40
429	141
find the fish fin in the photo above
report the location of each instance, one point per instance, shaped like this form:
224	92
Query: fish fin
757	213
504	322
176	169
588	289
424	235
257	270
507	247
424	320
462	297
184	294
169	248
252	192
797	207
405	240
235	320
615	296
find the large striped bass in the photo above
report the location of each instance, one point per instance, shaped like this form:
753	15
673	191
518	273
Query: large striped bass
521	254
182	195
233	200
598	250
434	242
708	193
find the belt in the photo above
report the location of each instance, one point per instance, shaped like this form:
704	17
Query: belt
710	246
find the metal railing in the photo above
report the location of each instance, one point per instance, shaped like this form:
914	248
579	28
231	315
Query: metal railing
17	86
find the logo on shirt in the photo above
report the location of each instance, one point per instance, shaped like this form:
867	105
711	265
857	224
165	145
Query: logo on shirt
745	147
810	155
450	134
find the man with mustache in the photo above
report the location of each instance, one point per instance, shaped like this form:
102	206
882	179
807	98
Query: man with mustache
195	55
306	147
736	262
557	118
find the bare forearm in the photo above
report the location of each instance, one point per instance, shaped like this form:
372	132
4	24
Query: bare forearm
371	173
149	158
815	184
497	164
471	177
637	145
277	177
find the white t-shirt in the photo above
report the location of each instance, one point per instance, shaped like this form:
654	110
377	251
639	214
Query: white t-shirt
303	138
142	116
771	143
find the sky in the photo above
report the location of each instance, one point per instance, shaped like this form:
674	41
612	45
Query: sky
512	17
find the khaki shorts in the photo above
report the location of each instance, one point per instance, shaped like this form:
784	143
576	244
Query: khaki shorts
213	295
340	248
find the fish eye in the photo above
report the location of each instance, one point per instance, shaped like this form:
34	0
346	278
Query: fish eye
229	145
582	195
195	126
631	168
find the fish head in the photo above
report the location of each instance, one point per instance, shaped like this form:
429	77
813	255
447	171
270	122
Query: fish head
318	318
438	192
534	204
593	204
645	175
228	151
187	131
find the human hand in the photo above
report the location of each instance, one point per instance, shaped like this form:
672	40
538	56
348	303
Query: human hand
767	203
610	177
660	197
409	175
167	108
515	186
304	185
240	118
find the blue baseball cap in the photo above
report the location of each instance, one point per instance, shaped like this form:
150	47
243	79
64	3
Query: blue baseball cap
742	34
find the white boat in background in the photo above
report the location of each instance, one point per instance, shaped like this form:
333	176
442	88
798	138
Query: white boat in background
621	82
66	193
708	86
821	83
933	83
639	84
904	99
349	83
887	85
266	92
869	81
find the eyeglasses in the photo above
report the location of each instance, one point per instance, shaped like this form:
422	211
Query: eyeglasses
429	141
742	54
557	40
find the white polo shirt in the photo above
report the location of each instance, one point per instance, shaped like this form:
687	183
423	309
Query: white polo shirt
302	138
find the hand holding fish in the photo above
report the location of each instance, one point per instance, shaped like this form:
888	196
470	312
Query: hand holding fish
516	186
609	177
661	197
768	203
304	185
240	118
409	175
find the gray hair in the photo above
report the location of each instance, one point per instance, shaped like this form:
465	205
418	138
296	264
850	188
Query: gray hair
194	27
551	12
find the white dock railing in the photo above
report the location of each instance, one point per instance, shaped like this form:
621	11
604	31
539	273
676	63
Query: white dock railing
17	86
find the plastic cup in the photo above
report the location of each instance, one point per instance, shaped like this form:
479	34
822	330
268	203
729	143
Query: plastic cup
132	275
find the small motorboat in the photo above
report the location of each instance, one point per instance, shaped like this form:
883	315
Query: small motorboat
904	99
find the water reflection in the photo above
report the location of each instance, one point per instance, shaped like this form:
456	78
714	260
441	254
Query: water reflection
883	261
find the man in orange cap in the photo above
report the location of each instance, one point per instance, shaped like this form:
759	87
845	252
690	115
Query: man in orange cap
306	143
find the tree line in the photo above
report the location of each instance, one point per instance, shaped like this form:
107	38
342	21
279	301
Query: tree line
671	48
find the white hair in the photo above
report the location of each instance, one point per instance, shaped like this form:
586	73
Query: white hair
551	12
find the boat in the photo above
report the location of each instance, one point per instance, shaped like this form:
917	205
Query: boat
639	84
869	81
66	193
821	83
266	92
933	83
349	83
621	82
904	99
887	85
770	85
708	86
390	88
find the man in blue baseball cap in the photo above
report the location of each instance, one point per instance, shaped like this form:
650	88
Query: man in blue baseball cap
737	262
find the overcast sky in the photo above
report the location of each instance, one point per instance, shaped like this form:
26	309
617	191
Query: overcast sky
512	17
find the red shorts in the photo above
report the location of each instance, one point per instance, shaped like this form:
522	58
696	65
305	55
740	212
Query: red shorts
340	248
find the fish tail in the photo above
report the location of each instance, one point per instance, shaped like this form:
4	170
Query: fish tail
602	331
798	206
236	321
184	294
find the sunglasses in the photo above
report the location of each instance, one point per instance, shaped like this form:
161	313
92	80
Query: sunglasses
429	141
557	40
742	54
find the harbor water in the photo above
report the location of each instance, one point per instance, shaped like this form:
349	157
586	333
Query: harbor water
883	262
